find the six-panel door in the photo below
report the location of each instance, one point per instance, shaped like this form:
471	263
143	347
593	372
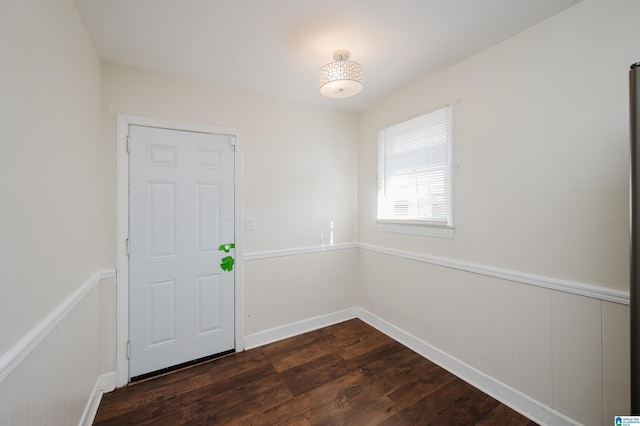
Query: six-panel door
181	222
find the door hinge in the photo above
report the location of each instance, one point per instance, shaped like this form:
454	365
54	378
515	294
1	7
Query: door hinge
128	242
128	145
128	349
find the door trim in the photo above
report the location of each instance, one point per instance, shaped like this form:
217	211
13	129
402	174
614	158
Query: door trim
122	292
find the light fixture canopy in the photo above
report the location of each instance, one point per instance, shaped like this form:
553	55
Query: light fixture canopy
341	78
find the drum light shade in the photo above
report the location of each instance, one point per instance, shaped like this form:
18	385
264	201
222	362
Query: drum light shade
342	78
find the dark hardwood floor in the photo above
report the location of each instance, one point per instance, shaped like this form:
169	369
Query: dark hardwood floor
345	374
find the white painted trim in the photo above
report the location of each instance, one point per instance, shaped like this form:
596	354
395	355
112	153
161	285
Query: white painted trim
581	289
413	229
122	287
289	330
509	396
504	393
18	352
104	383
572	287
107	274
239	249
297	251
124	121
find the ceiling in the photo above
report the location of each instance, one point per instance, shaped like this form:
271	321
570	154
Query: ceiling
277	47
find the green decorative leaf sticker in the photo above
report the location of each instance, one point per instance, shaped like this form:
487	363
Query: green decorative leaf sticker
226	263
226	247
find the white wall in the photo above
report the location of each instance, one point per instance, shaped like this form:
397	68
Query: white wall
541	187
50	127
52	385
50	234
541	135
299	176
293	288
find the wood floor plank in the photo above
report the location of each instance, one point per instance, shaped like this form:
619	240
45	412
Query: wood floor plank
395	371
294	421
231	406
339	402
286	346
349	328
300	354
348	373
373	414
414	391
136	402
169	403
456	403
166	387
280	414
362	341
503	415
312	376
305	404
314	373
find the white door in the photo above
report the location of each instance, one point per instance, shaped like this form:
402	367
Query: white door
181	220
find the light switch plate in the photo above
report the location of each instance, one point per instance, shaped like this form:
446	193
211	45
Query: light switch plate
251	223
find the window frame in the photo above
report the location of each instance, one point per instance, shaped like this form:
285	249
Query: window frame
424	227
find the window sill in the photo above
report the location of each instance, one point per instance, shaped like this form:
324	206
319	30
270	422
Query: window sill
413	228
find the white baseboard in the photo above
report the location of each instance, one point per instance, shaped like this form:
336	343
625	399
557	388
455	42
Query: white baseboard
105	383
289	330
509	396
504	393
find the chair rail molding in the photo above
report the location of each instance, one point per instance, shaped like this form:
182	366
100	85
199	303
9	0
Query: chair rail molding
298	251
504	393
573	287
18	352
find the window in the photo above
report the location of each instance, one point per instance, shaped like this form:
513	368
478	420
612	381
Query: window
414	175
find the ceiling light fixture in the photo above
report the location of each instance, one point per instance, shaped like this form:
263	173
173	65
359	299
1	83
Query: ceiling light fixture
342	78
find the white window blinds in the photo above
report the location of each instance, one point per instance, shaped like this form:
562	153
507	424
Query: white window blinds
414	170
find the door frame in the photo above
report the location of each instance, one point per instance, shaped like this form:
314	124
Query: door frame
122	289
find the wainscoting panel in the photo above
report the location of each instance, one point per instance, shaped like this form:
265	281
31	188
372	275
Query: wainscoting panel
48	377
554	348
616	351
285	289
543	343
